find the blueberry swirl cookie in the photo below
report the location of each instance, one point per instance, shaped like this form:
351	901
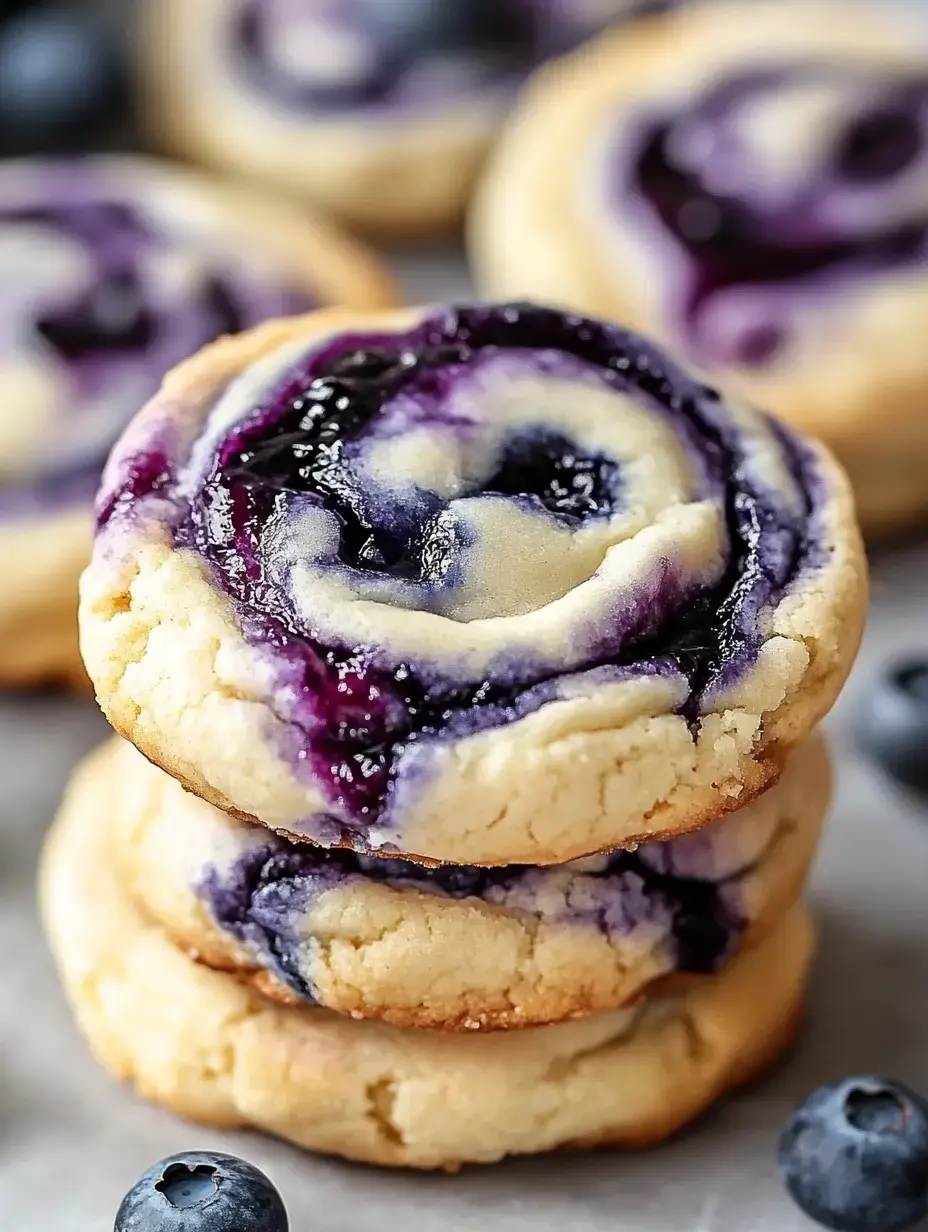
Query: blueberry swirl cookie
113	270
486	585
379	110
752	192
455	947
206	1047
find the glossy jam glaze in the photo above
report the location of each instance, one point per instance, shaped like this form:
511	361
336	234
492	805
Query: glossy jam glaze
777	185
362	714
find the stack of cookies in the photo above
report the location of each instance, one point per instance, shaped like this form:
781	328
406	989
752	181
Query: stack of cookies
472	659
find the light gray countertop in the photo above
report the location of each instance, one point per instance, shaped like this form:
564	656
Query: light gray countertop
72	1141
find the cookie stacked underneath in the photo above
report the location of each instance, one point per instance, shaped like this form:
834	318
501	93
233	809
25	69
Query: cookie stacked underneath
472	660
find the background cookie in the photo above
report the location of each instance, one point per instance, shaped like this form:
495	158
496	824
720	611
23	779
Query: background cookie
379	112
752	193
114	269
595	603
201	1044
453	947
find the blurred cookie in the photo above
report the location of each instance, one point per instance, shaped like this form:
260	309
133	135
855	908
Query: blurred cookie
488	585
206	1047
751	190
113	270
379	110
454	947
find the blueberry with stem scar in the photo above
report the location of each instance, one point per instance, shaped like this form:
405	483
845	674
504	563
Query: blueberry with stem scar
854	1156
201	1191
894	725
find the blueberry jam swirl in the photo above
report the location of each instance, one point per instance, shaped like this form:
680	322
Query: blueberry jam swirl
103	296
777	185
673	891
437	532
317	55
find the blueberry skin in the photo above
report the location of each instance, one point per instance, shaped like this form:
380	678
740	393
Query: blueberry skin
61	80
854	1156
893	727
201	1191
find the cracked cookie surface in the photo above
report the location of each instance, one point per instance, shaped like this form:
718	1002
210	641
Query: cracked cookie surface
482	585
206	1047
114	269
454	948
752	193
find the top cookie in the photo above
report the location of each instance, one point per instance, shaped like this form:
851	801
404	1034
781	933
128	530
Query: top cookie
379	111
750	190
478	585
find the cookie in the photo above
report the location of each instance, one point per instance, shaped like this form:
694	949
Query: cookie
381	113
485	585
115	269
454	947
750	192
206	1047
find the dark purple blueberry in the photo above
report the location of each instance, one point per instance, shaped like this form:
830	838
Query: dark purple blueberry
854	1156
61	80
200	1191
878	146
894	724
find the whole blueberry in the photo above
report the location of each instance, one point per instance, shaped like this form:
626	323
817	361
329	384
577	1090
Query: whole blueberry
854	1156
61	79
200	1191
894	724
420	27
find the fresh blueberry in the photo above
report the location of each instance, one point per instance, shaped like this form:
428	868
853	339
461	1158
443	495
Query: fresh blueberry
61	80
854	1156
417	27
200	1191
894	724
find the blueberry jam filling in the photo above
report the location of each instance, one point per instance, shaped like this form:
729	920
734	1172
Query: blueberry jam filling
358	720
262	898
731	242
117	332
500	31
549	468
111	313
306	454
469	44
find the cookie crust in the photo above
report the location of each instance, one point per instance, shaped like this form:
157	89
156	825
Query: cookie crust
202	1045
172	668
416	956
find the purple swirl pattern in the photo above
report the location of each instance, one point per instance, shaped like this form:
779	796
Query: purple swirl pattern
106	291
438	531
336	55
774	186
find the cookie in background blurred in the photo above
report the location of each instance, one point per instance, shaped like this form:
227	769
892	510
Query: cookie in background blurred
379	110
112	270
753	192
